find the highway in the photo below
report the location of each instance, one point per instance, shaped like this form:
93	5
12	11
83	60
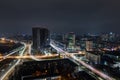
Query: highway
41	57
12	52
29	56
69	55
8	70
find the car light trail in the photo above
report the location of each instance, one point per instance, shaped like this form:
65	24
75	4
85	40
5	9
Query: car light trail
3	77
106	77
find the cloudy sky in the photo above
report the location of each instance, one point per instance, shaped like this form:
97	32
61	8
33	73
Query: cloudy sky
80	16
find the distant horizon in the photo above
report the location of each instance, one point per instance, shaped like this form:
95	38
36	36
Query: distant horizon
12	34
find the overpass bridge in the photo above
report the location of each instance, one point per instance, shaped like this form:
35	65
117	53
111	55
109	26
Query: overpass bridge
29	56
60	49
70	56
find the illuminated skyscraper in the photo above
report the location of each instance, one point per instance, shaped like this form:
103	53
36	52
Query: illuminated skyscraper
40	37
71	41
89	45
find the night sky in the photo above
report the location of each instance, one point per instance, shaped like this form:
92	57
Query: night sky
79	16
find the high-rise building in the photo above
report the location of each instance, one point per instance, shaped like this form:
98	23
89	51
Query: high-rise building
71	41
40	37
89	45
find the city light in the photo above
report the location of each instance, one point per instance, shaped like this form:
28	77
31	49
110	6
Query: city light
3	39
60	40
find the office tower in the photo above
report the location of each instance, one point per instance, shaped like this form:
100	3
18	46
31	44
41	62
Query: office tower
89	45
71	41
40	37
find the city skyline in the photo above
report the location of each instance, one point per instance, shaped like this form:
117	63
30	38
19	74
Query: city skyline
60	16
59	40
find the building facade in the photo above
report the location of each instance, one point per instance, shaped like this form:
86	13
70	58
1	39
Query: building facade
71	41
93	57
89	45
40	37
